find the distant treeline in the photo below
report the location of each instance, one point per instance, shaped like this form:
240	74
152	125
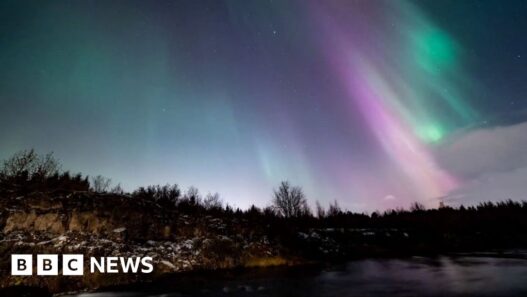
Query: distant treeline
27	172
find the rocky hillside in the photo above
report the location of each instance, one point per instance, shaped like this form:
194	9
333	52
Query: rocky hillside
184	234
117	225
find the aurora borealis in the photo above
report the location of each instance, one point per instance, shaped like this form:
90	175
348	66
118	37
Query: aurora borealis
365	102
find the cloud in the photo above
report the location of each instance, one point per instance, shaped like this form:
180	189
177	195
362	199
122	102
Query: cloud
491	163
389	197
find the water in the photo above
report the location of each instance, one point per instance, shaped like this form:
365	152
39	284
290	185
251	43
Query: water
440	276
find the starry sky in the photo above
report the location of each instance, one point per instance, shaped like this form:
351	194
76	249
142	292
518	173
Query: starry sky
376	104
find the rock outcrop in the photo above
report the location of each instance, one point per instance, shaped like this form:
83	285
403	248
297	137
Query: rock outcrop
117	225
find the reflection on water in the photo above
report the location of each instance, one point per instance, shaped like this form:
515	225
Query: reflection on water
441	276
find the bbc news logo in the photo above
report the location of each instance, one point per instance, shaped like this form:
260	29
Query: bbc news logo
48	264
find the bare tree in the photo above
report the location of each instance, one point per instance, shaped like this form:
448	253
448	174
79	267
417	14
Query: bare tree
321	212
416	206
212	201
46	165
30	163
117	189
192	195
290	201
100	184
334	209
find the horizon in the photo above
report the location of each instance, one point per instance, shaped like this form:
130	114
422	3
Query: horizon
104	185
376	105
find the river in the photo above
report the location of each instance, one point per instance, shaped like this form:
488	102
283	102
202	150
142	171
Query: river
417	276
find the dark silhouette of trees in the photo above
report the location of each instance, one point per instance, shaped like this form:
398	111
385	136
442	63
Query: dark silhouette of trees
167	195
117	189
416	206
212	201
290	201
487	225
100	184
321	212
334	209
29	164
192	196
26	172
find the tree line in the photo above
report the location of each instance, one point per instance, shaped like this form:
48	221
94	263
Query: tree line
27	172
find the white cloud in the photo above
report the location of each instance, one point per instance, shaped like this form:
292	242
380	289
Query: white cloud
492	163
389	197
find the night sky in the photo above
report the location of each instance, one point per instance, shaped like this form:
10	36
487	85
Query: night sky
376	104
